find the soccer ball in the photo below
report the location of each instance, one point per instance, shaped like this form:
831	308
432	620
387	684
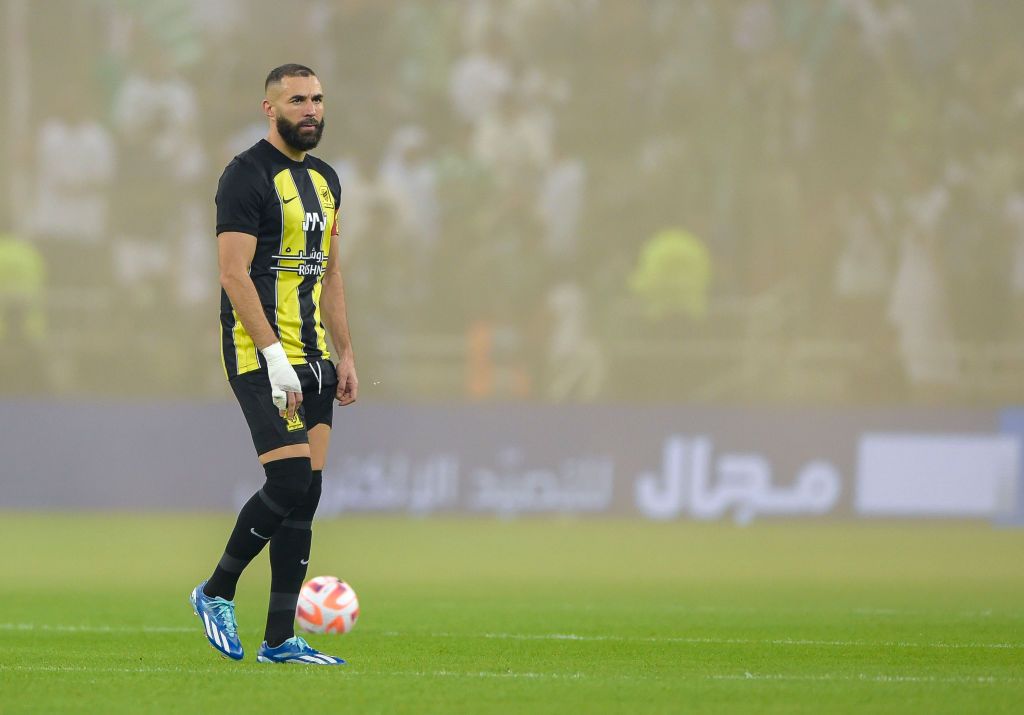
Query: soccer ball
327	605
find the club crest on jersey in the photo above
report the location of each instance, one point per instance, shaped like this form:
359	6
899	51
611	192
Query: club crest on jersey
326	199
314	221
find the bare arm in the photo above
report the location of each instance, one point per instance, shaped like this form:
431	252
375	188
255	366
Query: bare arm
234	254
335	317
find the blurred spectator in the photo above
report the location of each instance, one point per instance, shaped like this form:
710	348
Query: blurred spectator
560	207
863	270
672	276
918	306
878	25
576	367
156	114
22	317
514	141
74	209
74	168
1014	216
359	196
408	176
480	78
755	28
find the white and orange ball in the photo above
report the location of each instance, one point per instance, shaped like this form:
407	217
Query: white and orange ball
327	605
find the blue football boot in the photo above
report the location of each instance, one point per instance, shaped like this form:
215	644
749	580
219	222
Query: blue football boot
295	650
218	617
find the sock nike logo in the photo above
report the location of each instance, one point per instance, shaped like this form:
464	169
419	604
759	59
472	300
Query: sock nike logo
304	562
259	535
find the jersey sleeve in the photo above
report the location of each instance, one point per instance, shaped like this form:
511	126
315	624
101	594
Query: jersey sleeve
239	199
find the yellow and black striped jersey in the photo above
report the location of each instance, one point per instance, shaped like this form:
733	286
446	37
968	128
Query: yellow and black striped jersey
291	207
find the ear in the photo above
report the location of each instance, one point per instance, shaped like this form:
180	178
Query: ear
268	109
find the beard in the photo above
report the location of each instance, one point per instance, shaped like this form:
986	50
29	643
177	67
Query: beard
296	138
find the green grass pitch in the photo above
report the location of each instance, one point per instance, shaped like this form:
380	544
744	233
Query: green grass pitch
538	616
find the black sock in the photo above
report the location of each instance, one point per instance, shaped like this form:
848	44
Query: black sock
289	554
287	484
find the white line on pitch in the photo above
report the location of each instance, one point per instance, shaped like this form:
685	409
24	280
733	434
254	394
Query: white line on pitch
560	637
261	671
718	641
816	611
500	674
825	677
214	667
83	669
92	629
866	678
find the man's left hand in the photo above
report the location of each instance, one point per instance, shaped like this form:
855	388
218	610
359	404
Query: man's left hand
348	383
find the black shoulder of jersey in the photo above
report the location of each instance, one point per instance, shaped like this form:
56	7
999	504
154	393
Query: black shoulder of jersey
253	161
241	192
262	154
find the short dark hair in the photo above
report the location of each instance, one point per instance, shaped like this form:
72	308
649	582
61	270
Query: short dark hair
290	70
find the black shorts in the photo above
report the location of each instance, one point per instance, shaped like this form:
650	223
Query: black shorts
269	429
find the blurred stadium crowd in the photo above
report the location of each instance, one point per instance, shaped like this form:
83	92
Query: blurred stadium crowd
739	201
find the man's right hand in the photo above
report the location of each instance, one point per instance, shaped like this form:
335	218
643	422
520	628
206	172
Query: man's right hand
285	388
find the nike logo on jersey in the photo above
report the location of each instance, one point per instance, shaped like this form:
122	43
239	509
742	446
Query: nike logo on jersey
304	561
265	538
285	201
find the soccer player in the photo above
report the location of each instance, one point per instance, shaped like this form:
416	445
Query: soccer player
277	223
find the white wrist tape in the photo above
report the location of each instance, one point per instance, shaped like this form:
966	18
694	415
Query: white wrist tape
283	378
274	353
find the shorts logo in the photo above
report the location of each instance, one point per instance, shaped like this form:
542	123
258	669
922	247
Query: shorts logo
295	423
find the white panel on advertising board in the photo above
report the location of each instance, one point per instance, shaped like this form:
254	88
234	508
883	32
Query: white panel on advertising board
964	475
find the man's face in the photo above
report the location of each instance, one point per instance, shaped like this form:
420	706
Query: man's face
296	105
